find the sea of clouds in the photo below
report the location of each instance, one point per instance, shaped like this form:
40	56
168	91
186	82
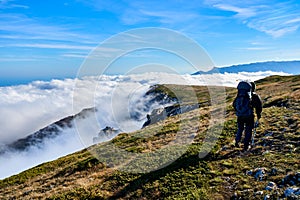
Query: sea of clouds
26	109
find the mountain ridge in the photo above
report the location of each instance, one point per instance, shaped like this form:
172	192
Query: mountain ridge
290	67
48	132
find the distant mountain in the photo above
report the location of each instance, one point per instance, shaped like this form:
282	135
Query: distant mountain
49	132
291	67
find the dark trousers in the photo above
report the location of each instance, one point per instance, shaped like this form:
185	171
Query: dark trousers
247	124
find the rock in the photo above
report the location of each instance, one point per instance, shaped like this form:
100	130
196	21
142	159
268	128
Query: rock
291	179
249	172
160	114
268	134
234	196
227	179
289	146
292	192
271	186
27	192
260	173
267	197
193	135
224	148
298	177
259	193
266	152
105	134
274	171
110	165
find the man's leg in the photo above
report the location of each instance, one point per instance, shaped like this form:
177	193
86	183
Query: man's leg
248	132
241	126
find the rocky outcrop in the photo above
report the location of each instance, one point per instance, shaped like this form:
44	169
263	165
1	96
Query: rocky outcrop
161	94
164	112
105	134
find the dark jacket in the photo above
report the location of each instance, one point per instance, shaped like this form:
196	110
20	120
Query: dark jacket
256	103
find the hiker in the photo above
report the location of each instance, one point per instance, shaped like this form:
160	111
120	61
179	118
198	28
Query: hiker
244	104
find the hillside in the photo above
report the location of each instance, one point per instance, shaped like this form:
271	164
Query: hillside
269	170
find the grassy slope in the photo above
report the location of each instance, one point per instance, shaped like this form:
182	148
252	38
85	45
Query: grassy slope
217	176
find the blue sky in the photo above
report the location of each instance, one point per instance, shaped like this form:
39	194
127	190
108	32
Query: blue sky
51	39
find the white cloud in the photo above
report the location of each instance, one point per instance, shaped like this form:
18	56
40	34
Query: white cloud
296	20
9	59
74	55
19	27
170	17
255	48
276	19
14	162
54	46
135	12
8	4
27	108
241	12
281	32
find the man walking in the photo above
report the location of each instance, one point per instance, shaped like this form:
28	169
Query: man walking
244	104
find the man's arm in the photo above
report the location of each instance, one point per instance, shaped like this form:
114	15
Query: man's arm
257	104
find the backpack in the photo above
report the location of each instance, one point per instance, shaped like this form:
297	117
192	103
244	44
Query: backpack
242	103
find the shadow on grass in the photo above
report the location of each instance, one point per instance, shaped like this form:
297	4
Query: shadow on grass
183	163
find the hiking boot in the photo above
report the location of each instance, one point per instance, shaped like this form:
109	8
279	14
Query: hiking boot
246	148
